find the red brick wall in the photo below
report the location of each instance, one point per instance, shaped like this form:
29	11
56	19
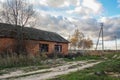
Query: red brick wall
7	44
32	46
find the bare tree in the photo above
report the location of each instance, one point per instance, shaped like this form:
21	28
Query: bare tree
17	12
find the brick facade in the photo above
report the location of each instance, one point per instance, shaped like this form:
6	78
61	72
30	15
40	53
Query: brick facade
32	46
7	44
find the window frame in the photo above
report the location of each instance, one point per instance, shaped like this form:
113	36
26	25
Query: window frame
58	48
43	47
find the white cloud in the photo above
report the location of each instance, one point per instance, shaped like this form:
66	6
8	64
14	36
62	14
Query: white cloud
2	0
55	23
111	27
87	8
61	3
94	5
80	7
89	25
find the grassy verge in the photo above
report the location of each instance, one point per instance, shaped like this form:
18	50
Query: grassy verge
21	61
95	57
88	57
25	64
15	61
107	70
112	55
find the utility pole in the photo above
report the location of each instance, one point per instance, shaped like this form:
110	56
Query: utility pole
101	32
101	24
116	42
98	39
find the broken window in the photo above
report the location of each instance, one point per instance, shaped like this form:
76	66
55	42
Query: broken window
43	47
58	48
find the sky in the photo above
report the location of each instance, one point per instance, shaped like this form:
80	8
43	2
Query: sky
64	16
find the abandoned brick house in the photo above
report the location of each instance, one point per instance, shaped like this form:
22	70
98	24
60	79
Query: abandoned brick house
35	40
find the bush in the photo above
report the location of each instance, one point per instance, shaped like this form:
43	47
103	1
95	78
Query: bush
9	61
56	55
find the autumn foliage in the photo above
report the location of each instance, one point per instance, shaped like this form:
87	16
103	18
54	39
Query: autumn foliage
78	40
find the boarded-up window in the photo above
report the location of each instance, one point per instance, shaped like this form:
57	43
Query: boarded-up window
58	48
43	47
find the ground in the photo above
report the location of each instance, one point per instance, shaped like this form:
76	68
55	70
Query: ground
51	72
70	69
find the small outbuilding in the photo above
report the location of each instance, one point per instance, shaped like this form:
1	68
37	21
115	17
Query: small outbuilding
35	40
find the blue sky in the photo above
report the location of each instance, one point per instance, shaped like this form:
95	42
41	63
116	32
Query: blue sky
111	7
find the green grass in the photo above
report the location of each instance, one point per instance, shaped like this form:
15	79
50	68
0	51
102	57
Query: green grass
111	55
88	57
110	65
94	57
80	76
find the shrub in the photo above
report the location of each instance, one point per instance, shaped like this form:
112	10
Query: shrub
56	55
9	61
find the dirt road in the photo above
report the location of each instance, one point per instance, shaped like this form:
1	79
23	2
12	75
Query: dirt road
50	73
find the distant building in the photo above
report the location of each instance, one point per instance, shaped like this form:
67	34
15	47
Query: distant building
36	41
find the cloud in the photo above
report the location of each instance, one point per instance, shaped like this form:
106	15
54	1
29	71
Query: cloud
54	3
94	5
60	3
2	0
62	17
87	8
70	7
112	27
58	24
89	26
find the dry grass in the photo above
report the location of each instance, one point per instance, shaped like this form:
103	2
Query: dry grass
20	61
